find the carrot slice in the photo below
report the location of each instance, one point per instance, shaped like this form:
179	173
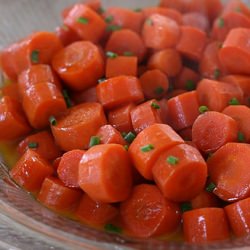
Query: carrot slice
238	216
13	123
141	218
30	171
11	91
94	212
172	171
80	65
205	225
42	143
85	22
149	144
229	172
105	173
119	90
196	20
73	129
223	128
56	196
40	102
66	35
68	167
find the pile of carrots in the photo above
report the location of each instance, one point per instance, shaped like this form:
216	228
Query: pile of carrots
136	121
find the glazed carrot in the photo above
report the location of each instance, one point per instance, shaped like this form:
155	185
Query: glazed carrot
120	118
191	48
187	79
183	110
227	22
80	65
133	44
160	32
68	167
105	173
237	6
87	24
217	95
154	84
223	128
37	74
56	196
229	172
119	90
74	129
205	225
172	169
38	48
11	91
238	217
186	134
42	143
171	13
66	35
30	171
88	95
241	114
210	65
145	115
235	49
168	61
142	219
196	20
121	65
95	213
13	123
108	135
42	101
149	144
123	18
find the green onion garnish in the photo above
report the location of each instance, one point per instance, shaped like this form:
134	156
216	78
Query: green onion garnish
149	22
52	120
67	98
112	228
154	105
111	54
113	27
94	140
126	147
82	20
128	53
129	137
35	56
109	19
159	90
234	101
217	73
186	206
147	148
172	160
32	145
203	109
210	187
221	22
137	9
241	137
101	10
190	85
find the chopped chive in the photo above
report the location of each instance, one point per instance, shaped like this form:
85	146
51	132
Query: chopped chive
172	160
101	10
238	9
82	20
190	85
112	228
186	206
210	187
94	140
159	90
137	9
33	145
154	105
147	148
234	101
111	54
203	109
109	19
221	22
129	137
217	73
35	56
52	120
113	27
102	80
67	98
126	147
149	22
241	137
128	53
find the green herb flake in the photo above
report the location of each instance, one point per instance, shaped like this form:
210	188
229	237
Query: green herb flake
221	22
129	137
190	85
137	10
149	22
234	101
159	90
203	109
147	148
35	56
241	137
101	10
217	73
83	20
67	98
112	228
33	145
172	160
128	53
109	19
52	120
111	54
186	206
94	140
126	147
210	187
113	27
155	105
102	80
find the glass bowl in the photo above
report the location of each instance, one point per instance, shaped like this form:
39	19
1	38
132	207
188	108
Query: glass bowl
24	223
